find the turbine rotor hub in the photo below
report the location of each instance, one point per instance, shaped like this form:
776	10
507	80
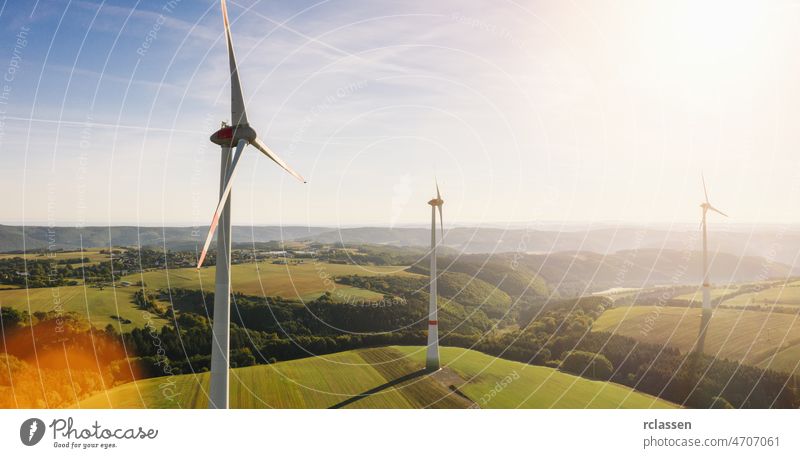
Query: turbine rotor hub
230	135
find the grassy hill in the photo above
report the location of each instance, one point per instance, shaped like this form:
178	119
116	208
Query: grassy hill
764	295
577	273
96	306
715	293
93	254
305	281
755	338
386	377
474	292
100	306
783	295
72	238
495	272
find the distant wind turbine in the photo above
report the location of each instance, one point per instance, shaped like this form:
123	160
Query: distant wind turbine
432	358
706	206
238	135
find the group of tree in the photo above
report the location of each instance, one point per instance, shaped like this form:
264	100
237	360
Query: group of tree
50	360
551	332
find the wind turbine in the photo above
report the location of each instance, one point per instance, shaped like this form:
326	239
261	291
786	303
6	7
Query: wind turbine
432	357
238	135
706	206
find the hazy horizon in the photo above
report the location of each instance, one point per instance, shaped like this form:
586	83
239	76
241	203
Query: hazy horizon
510	225
527	111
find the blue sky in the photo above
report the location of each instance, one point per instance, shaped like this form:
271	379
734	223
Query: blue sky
577	111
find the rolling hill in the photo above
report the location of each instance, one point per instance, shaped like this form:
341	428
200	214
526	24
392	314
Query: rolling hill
782	295
744	241
387	377
292	281
72	238
96	306
769	340
116	305
573	274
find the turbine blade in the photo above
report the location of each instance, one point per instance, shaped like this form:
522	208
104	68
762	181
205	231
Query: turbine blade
222	201
704	186
718	211
438	196
238	114
268	152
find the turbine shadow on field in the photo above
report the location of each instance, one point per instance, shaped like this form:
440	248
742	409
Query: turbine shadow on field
378	389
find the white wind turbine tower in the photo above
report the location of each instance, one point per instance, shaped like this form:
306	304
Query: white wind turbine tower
706	206
238	135
432	357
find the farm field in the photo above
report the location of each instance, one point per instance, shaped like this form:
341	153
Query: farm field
337	380
89	303
304	281
772	295
697	296
537	387
752	337
617	292
93	254
784	295
786	360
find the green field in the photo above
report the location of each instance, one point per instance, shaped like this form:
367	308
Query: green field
304	281
93	254
697	296
787	295
752	337
384	378
786	360
90	303
617	293
784	295
307	281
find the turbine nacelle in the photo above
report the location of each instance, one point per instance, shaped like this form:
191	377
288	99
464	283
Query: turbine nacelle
706	206
235	137
229	136
436	202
